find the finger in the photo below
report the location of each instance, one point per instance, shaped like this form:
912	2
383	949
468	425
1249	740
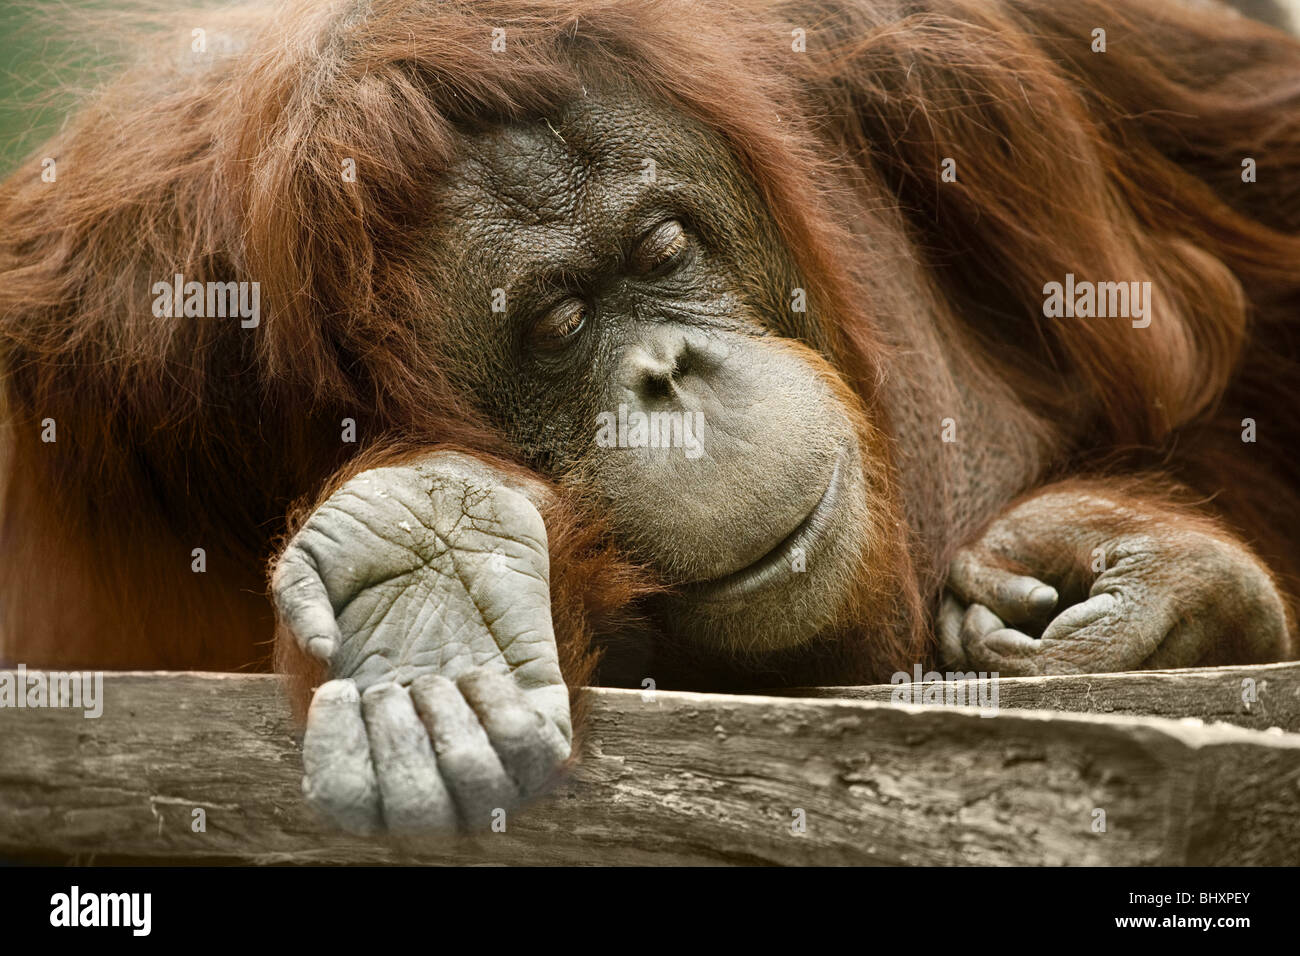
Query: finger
1017	598
415	798
992	647
303	604
976	622
948	628
339	778
469	766
1107	632
529	745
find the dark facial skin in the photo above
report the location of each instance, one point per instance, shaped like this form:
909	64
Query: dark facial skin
663	290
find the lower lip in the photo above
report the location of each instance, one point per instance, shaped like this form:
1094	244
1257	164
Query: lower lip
777	564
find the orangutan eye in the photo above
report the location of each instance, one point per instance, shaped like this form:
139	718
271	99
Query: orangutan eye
661	248
560	324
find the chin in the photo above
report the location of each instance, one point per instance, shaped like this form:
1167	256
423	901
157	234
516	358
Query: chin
793	593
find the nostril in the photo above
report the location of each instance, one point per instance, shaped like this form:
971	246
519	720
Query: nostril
681	365
657	382
658	369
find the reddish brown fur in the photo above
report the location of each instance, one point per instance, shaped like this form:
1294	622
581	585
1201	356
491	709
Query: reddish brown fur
176	435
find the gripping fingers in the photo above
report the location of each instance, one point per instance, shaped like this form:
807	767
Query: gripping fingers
1107	632
530	745
1016	598
992	647
340	779
303	604
415	799
947	627
471	768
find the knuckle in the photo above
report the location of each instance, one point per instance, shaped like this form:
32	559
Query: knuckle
338	692
517	725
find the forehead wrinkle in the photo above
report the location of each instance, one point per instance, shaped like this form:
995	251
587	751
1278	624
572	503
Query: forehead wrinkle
523	242
534	254
530	170
539	200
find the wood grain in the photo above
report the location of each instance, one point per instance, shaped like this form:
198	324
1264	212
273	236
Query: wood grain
679	778
1257	696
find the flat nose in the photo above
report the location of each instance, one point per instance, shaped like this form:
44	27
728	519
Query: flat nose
652	370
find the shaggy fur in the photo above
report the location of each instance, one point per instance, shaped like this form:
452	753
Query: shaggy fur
181	434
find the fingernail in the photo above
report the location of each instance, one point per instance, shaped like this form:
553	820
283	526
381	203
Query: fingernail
1043	598
337	692
321	648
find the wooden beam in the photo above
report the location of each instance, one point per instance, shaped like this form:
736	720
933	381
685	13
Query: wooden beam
1258	696
679	778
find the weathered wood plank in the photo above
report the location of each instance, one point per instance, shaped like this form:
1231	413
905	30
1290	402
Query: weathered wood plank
1257	696
682	779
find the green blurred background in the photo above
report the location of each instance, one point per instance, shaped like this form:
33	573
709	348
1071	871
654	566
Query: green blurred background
38	65
52	53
